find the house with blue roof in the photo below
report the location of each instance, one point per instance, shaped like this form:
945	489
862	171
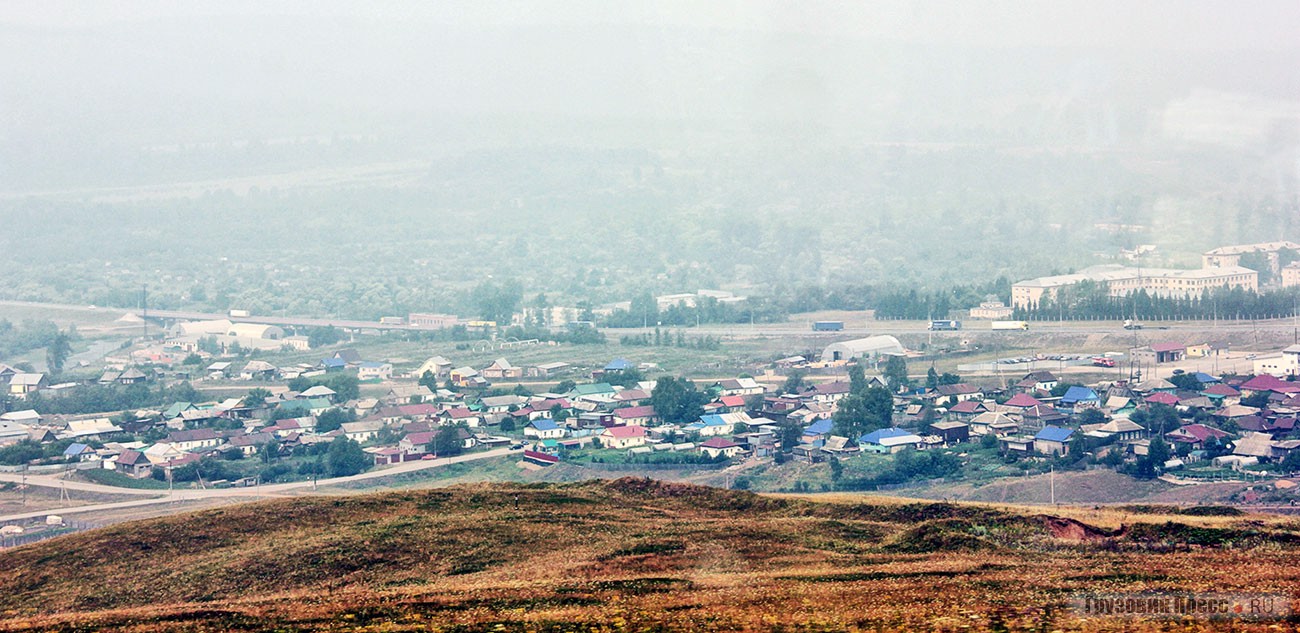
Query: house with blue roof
544	429
817	431
333	364
890	440
710	425
1206	379
1053	440
79	452
1077	398
616	366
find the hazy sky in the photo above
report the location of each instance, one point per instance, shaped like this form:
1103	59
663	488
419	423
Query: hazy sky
1266	24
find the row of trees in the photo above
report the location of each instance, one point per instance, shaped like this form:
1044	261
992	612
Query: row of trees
1090	300
96	398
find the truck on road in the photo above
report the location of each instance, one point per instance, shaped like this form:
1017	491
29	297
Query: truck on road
1011	325
944	325
1130	324
827	326
240	313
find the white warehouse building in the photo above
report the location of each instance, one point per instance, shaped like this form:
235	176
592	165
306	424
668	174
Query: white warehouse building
870	348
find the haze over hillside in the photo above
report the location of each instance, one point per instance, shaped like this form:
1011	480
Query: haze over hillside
595	152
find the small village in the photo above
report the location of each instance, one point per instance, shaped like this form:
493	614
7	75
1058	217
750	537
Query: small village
311	421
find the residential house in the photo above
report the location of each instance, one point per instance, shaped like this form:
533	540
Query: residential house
621	437
1258	445
1037	382
889	440
1022	401
827	392
438	366
462	415
994	422
258	370
219	370
711	425
80	452
958	392
616	366
89	428
250	443
1078	398
1035	418
1195	435
417	443
817	432
194	439
497	406
349	356
24	383
1121	429
547	370
131	463
839	446
317	391
967	409
638	416
1053	440
716	446
502	369
739	387
409	394
371	371
726	404
951	432
544	429
362	431
467	378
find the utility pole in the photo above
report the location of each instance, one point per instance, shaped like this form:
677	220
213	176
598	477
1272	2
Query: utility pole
1051	474
144	310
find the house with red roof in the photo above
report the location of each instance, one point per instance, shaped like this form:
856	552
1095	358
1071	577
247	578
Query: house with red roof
636	416
1162	397
622	437
715	446
967	408
726	404
1195	435
1022	401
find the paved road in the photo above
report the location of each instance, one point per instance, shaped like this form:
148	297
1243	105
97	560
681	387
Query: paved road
854	326
271	490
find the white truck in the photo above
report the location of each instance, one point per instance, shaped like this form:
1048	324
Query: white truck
240	313
1011	325
1130	324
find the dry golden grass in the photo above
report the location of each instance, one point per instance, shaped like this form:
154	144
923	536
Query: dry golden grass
630	554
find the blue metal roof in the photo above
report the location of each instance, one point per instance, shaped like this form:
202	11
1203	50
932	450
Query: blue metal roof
618	364
1078	394
333	362
74	449
820	427
1205	378
713	419
875	436
544	424
1054	434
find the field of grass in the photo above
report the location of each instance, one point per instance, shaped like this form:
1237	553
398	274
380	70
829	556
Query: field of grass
114	478
633	554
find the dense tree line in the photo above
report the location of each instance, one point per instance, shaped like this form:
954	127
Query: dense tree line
1090	300
97	398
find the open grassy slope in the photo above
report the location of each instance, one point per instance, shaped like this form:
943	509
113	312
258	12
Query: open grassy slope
628	554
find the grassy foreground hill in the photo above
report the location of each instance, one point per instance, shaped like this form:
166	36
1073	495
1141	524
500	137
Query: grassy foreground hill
630	554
